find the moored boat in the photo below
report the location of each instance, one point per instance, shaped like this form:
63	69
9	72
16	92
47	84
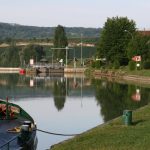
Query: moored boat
17	128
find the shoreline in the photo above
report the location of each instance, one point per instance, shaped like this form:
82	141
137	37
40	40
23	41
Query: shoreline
98	74
103	130
9	70
116	122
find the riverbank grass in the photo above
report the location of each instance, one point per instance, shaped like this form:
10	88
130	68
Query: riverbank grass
114	135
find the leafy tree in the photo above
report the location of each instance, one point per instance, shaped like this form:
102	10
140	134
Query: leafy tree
116	64
146	64
33	51
140	45
60	41
132	65
115	38
9	57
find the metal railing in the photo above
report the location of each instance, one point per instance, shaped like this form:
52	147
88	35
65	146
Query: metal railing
47	65
9	144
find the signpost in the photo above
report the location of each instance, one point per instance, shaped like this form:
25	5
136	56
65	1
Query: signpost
137	59
31	62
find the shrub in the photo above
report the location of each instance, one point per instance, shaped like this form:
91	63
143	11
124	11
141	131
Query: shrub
97	64
132	65
146	64
93	64
116	64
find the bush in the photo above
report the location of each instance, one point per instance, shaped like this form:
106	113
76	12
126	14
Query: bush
97	64
116	64
146	64
132	65
93	64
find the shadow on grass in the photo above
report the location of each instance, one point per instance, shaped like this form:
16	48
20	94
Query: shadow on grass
134	123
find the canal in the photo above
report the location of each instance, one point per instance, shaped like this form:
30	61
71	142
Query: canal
70	104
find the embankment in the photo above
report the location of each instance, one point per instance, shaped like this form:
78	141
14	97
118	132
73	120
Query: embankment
9	70
114	135
121	75
74	70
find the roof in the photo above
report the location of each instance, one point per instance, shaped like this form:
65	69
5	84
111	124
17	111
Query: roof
43	60
144	32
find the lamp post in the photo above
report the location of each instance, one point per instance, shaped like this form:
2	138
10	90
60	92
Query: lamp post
131	36
129	33
137	65
52	57
74	60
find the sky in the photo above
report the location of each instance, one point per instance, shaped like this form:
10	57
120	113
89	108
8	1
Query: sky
73	13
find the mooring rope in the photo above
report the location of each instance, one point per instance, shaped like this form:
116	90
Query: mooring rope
57	133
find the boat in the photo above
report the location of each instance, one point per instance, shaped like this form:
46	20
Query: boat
17	128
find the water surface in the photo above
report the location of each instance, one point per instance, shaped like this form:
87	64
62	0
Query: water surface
70	104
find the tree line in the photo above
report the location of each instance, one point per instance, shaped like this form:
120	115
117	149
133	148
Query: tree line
17	31
119	42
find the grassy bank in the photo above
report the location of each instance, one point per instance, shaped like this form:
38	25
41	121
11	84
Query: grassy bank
114	135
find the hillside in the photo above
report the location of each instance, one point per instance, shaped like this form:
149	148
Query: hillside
28	32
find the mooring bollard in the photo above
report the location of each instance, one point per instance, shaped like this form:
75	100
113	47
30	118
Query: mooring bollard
25	133
127	117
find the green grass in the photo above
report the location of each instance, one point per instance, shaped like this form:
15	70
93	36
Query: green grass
142	72
114	135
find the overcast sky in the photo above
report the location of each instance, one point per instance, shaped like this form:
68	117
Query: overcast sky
73	13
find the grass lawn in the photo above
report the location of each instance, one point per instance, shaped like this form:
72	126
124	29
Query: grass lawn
142	72
114	135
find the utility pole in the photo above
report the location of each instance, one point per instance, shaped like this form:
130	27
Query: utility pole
81	50
66	56
65	48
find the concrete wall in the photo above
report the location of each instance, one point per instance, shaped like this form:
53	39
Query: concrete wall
9	70
74	70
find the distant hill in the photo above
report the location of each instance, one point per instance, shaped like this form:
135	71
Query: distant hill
17	31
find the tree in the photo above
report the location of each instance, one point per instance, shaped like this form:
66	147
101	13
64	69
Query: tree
140	45
60	41
9	57
114	40
33	51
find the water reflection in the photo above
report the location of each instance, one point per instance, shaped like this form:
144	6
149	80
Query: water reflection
111	96
137	95
59	92
70	103
58	87
114	98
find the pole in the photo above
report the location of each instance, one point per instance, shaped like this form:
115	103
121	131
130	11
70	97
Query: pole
81	49
65	48
132	39
52	57
66	55
7	113
129	33
74	62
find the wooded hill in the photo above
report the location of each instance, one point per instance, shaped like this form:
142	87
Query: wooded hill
29	32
